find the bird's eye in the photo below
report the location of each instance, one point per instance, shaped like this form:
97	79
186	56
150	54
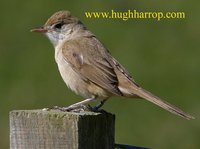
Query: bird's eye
59	25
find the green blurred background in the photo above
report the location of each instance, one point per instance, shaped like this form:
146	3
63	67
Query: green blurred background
164	57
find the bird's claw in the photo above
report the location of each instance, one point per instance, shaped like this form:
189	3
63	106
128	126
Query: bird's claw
68	109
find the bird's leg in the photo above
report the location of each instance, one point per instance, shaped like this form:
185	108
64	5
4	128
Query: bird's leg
78	105
99	105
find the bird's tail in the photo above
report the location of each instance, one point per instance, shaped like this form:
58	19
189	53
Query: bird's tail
163	104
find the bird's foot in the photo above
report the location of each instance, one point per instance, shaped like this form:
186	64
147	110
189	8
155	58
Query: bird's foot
93	109
71	108
77	107
80	106
97	107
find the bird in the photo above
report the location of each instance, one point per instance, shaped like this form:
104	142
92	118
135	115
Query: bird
89	69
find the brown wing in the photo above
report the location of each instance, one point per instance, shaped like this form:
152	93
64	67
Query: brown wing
84	57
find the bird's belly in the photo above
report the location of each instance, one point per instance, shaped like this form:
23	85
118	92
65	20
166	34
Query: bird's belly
72	79
76	82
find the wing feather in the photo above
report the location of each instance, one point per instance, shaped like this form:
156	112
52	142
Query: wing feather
86	59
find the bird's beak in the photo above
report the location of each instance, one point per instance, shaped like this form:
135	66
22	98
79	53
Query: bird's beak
39	30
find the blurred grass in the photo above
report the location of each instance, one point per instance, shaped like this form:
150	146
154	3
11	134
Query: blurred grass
164	57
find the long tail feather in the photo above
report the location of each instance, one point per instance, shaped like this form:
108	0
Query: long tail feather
163	104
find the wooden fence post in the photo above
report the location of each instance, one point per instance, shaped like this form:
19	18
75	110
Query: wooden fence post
37	129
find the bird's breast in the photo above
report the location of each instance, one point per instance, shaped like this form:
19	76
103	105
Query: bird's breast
75	81
70	77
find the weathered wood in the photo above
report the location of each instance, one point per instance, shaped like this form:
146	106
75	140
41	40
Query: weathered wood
37	129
